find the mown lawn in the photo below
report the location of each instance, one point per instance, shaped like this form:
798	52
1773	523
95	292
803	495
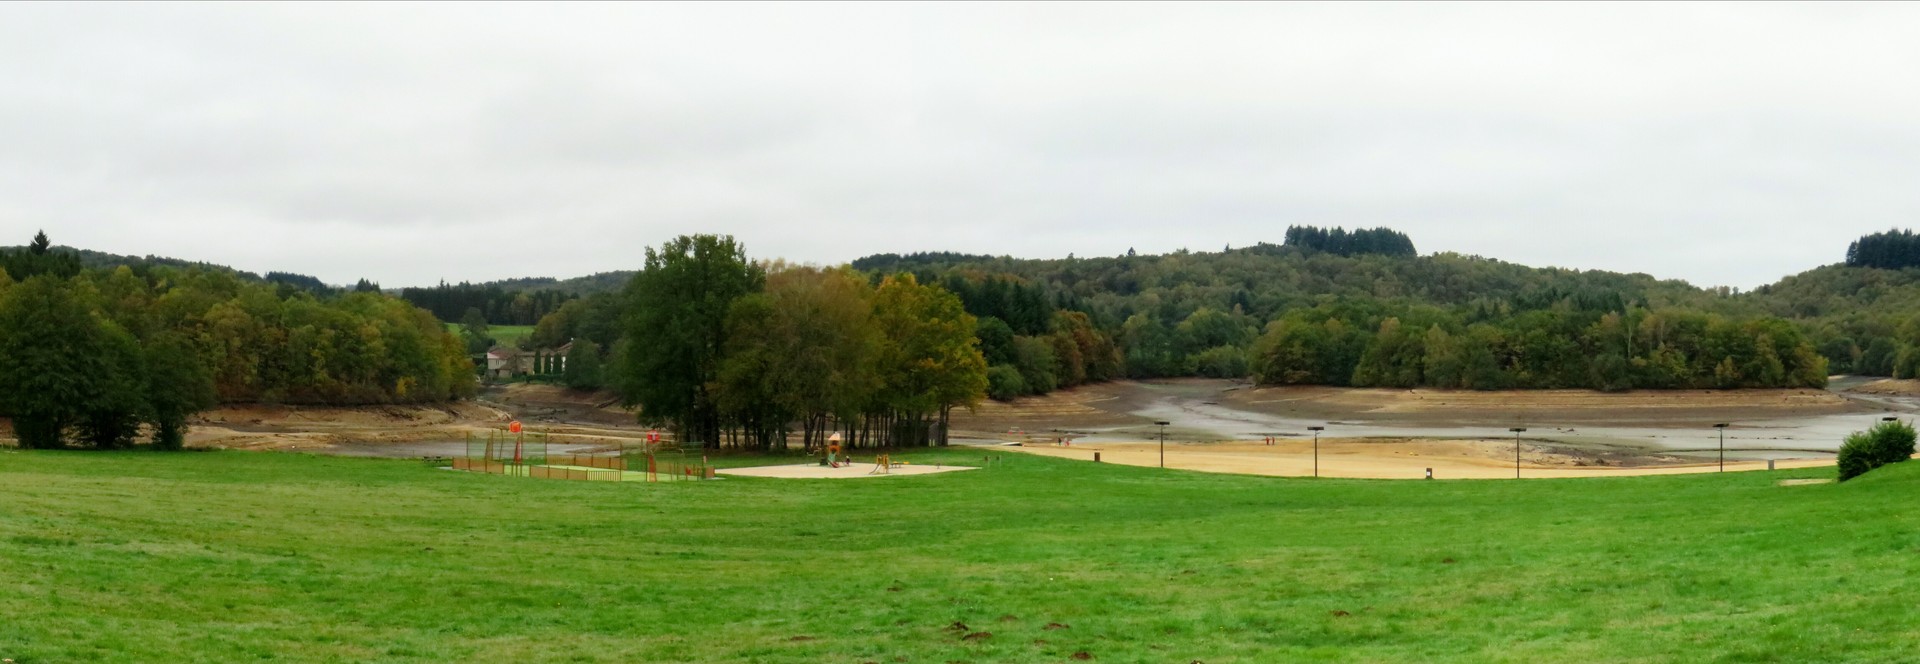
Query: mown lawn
145	557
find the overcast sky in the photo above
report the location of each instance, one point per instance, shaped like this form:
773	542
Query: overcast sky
1723	144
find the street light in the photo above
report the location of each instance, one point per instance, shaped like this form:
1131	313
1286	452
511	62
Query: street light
1316	448
1163	443
1516	450
1723	445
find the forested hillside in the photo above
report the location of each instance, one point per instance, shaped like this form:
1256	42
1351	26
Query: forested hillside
1864	320
496	304
1304	313
99	260
89	355
524	301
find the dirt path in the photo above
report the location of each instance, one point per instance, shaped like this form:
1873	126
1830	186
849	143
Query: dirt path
1390	459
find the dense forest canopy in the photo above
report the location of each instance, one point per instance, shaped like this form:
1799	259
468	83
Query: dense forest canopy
905	263
1337	241
1321	310
92	355
1864	315
497	304
97	260
1893	250
501	302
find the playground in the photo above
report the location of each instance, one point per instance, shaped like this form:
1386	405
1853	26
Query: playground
839	465
516	452
848	471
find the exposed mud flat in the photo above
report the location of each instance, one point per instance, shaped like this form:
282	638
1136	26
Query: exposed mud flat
572	422
1628	429
1397	459
1645	407
1565	428
1888	387
553	404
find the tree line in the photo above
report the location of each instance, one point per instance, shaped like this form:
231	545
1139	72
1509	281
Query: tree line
103	357
1861	314
496	305
1893	249
1337	241
76	259
288	282
1380	344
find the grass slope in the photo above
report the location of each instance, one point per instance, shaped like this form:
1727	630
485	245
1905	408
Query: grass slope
142	557
505	335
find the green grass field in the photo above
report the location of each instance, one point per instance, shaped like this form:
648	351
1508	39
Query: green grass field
148	557
506	335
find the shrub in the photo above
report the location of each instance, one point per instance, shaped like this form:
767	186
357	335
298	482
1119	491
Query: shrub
1885	443
1856	456
1892	441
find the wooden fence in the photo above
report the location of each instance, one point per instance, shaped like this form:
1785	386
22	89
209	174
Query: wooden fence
604	462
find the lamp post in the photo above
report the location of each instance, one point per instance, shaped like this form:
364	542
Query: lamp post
1163	443
1316	448
1723	445
1516	450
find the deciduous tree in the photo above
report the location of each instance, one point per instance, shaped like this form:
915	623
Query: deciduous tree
676	330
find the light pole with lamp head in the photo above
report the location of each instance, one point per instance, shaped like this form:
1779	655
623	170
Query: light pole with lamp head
1163	443
1316	448
1723	445
1516	450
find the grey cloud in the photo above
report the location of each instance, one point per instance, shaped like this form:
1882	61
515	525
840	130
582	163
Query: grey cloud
1723	144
